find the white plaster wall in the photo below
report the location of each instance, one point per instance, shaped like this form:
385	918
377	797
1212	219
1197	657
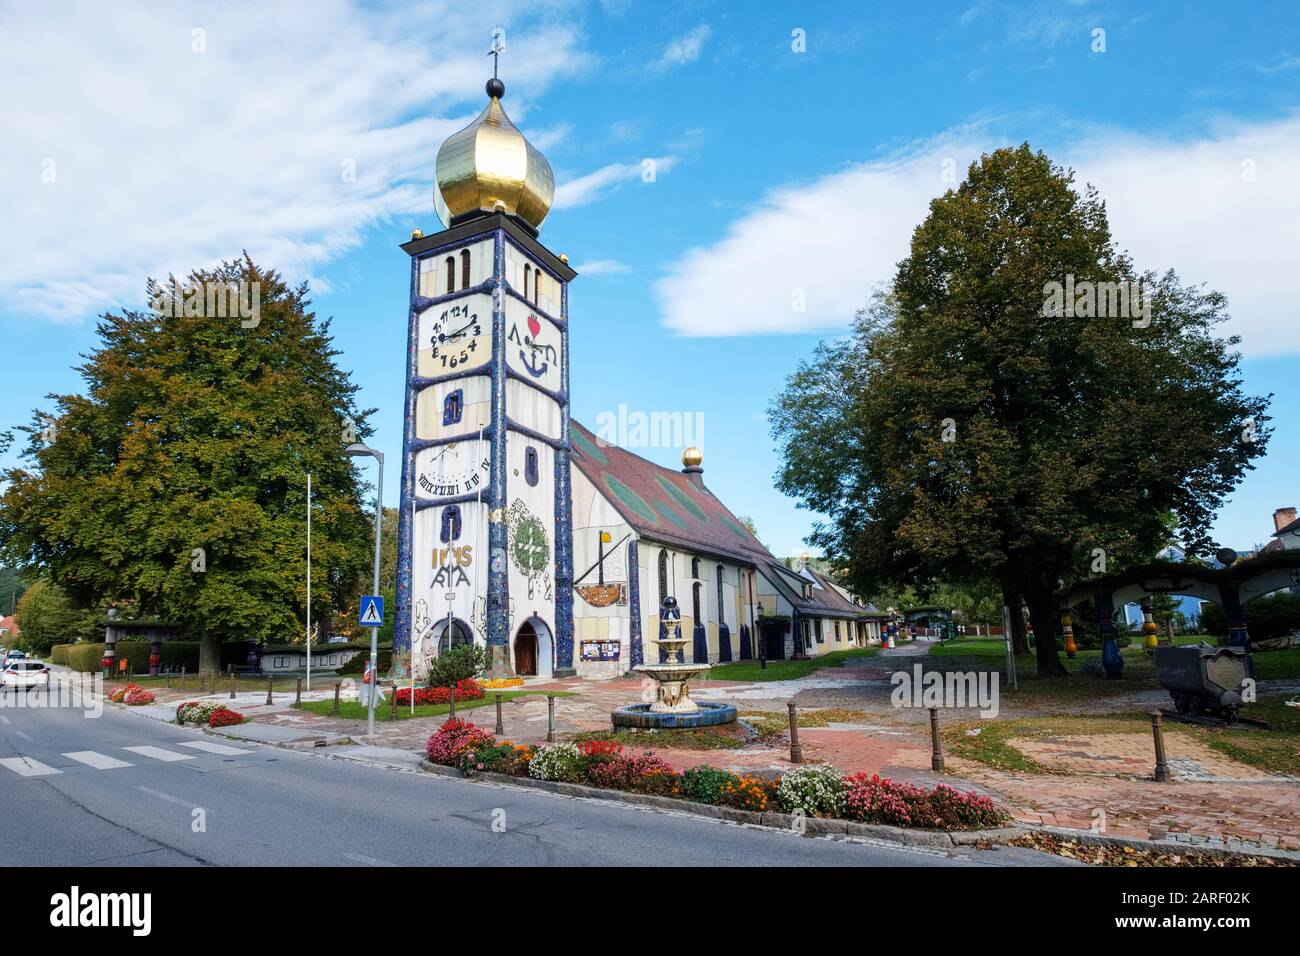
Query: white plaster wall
477	411
433	269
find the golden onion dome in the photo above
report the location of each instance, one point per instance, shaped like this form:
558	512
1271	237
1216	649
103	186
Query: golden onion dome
489	167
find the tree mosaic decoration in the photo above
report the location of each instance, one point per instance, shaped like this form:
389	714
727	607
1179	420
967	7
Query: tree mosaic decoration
530	549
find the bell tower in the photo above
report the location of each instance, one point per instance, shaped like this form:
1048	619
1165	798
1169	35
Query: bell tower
485	528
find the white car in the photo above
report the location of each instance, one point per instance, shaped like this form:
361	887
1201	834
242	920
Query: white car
25	674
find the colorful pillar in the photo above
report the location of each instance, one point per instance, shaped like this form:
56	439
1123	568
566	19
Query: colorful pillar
1149	628
1067	629
1111	661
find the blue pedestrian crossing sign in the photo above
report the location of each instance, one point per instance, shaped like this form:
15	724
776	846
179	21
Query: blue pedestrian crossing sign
372	610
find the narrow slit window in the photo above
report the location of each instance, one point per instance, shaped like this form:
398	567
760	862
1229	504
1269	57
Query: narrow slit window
528	271
453	406
530	465
464	268
450	524
451	275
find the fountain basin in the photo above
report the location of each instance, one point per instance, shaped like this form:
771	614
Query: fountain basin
707	713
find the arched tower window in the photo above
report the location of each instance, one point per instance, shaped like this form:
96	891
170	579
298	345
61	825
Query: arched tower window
464	268
528	271
663	576
451	274
695	568
695	602
536	285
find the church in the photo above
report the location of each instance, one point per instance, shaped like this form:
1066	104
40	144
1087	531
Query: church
521	531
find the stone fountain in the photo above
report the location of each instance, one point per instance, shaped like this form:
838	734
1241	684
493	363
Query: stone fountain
673	706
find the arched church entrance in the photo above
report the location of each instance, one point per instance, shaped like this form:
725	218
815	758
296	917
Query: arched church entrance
534	649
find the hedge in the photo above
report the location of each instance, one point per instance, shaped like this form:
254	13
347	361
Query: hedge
59	654
86	657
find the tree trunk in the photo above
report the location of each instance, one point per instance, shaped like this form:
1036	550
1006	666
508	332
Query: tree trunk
1044	616
209	652
1019	640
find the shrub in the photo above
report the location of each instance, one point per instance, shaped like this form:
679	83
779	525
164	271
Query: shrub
562	762
225	717
59	654
747	793
816	791
452	739
873	800
704	784
456	664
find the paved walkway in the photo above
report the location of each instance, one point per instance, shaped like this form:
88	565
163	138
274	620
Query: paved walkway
1094	782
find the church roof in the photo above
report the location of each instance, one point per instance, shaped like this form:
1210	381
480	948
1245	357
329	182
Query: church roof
676	509
663	504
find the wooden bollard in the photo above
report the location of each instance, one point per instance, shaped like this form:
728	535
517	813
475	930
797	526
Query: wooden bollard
550	718
1158	732
500	728
936	744
796	752
337	686
451	704
270	683
167	680
297	701
232	685
392	714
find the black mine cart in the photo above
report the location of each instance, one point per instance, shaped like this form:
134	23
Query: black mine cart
1204	679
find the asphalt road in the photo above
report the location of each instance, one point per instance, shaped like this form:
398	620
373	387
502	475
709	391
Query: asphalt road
73	792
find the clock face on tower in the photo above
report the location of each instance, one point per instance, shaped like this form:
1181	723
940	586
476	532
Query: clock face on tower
456	336
534	346
446	471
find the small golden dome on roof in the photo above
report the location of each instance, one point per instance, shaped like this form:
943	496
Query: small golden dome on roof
692	457
490	167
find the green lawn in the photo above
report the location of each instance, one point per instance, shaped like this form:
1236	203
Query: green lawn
352	710
787	670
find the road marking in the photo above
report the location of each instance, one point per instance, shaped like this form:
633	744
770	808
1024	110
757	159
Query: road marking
214	748
166	796
157	753
27	767
97	760
26	737
4	720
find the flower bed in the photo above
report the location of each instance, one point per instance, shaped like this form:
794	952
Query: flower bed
815	790
501	682
225	717
199	712
467	689
133	695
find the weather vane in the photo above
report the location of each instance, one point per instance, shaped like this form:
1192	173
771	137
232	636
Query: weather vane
498	47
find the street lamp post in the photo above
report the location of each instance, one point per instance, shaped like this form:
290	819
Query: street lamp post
360	449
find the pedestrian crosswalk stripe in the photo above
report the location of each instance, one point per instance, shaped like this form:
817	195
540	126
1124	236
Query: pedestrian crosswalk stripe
209	746
27	767
157	753
97	760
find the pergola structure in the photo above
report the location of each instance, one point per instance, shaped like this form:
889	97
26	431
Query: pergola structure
1230	587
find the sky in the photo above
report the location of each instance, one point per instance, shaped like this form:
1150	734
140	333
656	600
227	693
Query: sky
715	163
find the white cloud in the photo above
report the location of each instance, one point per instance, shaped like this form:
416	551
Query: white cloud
164	158
684	49
1181	204
603	267
586	189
